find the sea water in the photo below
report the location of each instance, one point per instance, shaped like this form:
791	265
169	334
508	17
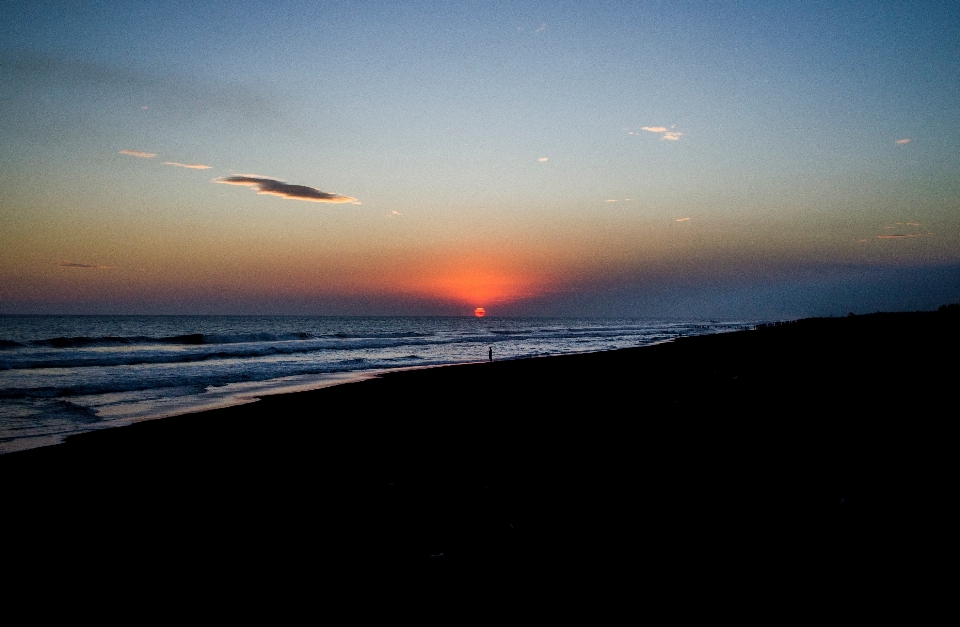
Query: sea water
61	375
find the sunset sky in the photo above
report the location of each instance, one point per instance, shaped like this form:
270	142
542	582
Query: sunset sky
716	159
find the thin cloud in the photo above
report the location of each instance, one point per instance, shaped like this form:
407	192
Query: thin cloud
542	159
905	140
273	187
663	131
139	153
192	166
396	214
896	224
683	219
899	235
71	264
542	27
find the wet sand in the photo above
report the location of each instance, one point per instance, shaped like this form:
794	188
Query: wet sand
762	446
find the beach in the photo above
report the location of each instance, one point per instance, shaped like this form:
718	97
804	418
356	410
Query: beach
692	452
65	375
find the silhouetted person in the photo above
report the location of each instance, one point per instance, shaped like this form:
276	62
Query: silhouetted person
491	353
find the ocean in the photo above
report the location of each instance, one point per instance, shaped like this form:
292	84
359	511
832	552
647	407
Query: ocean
61	375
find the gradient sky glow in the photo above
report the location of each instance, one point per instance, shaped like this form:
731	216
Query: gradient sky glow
718	159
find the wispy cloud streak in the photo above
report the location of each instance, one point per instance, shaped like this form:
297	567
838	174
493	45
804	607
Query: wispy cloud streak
274	187
192	166
139	153
901	235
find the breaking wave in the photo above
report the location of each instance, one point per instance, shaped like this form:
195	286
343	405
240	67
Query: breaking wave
190	339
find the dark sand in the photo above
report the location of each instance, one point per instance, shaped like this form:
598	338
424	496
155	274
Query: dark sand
760	447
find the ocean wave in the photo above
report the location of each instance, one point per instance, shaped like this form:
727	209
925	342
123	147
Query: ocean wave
189	339
76	413
356	361
90	389
81	359
200	339
144	359
238	338
378	336
81	342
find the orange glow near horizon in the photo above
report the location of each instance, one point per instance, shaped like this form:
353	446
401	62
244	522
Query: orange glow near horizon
479	312
478	287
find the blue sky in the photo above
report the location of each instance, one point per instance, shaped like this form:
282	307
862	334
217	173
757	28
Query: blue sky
646	158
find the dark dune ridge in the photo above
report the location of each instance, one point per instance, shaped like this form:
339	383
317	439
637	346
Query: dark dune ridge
766	445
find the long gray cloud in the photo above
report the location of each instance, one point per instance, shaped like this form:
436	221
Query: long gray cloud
274	187
72	264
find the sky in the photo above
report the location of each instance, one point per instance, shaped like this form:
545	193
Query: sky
666	159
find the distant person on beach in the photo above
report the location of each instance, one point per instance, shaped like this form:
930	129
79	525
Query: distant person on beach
491	353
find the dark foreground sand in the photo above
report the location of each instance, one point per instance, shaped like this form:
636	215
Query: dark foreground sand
764	448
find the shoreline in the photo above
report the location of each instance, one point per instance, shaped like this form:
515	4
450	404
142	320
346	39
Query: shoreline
726	440
223	396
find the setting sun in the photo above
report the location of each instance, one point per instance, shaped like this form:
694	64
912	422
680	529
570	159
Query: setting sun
479	312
